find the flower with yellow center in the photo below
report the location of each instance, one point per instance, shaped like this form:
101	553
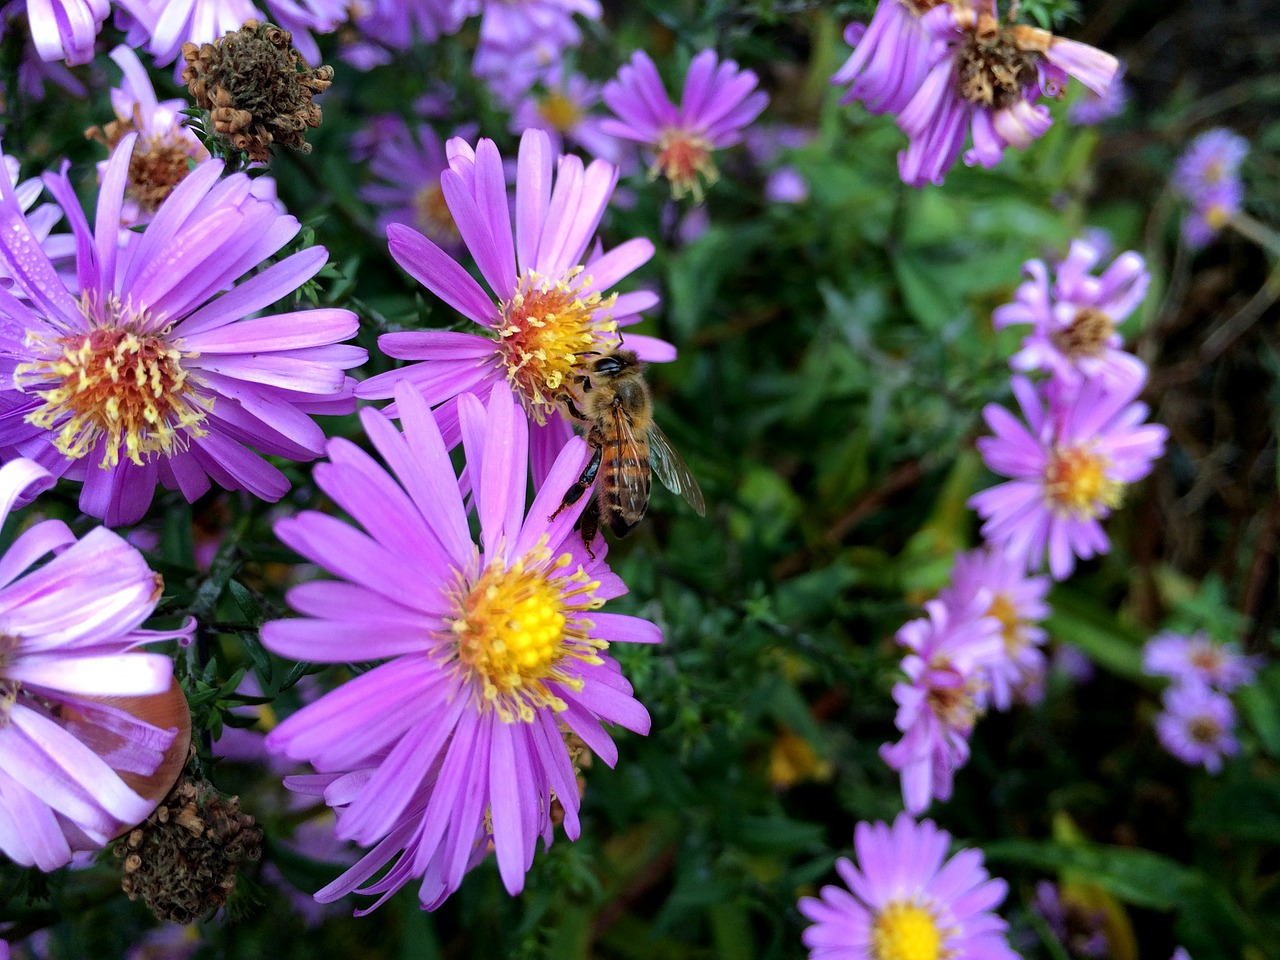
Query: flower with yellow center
1076	482
560	112
904	931
685	160
432	216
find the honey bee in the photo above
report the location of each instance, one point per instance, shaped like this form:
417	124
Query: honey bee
626	446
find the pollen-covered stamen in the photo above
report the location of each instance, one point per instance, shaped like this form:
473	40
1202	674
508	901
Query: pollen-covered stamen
906	931
956	706
520	628
994	69
122	383
559	111
1204	729
1011	631
432	216
685	160
544	330
1076	482
1086	335
159	163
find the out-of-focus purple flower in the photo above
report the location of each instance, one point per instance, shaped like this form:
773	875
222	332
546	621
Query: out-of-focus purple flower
1091	109
1197	725
407	165
550	302
984	78
766	143
71	631
156	372
1211	210
1197	659
891	56
66	29
1180	953
169	942
33	71
398	24
717	104
1070	463
1017	603
1079	928
905	898
563	109
1074	319
951	651
493	651
41	220
163	26
1210	160
522	42
165	146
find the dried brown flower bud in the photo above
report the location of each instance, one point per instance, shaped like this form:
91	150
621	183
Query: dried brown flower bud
256	88
183	860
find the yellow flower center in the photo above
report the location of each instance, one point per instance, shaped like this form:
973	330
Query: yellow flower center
1010	625
685	160
122	383
519	628
559	111
1076	482
432	216
1086	335
956	707
1204	730
545	329
904	931
1217	215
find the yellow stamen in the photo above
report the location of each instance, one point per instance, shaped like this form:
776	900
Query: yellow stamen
518	628
546	327
122	383
1076	483
559	111
432	216
1002	609
685	160
904	931
1086	335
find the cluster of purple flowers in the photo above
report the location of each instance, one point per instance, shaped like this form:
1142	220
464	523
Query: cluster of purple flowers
1207	176
1198	721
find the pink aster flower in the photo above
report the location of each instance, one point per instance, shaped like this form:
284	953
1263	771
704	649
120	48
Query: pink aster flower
1017	603
407	165
951	651
165	146
716	105
1074	319
1197	659
550	303
493	652
66	29
1069	466
891	56
1197	725
153	369
906	898
986	78
70	635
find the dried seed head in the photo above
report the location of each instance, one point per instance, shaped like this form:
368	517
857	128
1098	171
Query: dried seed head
182	860
256	88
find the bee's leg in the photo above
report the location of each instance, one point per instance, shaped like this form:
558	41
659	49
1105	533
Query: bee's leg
583	483
573	408
589	524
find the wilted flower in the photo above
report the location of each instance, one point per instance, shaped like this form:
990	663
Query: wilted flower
1074	319
66	29
1197	659
906	899
716	105
1017	603
550	301
891	56
165	147
1069	469
70	635
951	651
492	652
150	372
1197	725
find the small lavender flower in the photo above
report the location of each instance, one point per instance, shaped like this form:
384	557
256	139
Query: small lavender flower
71	630
398	24
1210	212
1091	109
1197	725
407	165
1070	464
716	105
1079	928
905	898
951	650
148	366
1197	659
66	29
1074	319
1017	603
563	109
891	56
493	651
523	41
1210	160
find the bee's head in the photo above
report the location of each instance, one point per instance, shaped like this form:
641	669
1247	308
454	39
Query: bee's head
613	363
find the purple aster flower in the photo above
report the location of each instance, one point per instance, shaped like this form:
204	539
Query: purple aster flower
493	651
716	105
1211	210
563	109
891	56
1069	465
906	899
1180	953
1197	659
1197	725
407	165
41	220
951	651
1017	603
163	26
66	29
550	301
398	24
986	77
523	41
70	635
1074	319
153	368
165	146
1091	109
766	144
1210	160
1080	928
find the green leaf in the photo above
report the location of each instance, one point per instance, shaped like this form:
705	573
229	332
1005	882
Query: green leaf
1087	624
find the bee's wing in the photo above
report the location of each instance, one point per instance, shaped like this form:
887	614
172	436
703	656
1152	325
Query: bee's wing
673	471
633	485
